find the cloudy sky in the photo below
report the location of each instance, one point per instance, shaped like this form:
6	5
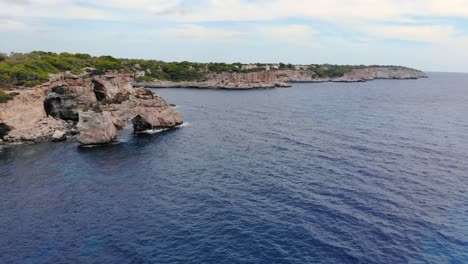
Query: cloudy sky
430	35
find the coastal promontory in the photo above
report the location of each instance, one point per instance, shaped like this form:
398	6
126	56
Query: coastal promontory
94	108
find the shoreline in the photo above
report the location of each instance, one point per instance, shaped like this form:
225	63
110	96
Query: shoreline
247	86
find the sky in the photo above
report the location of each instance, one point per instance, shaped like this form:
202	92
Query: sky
430	35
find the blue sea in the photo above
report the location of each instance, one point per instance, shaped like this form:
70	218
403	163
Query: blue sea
373	172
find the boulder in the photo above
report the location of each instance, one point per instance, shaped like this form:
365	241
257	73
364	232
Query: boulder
42	130
59	135
96	128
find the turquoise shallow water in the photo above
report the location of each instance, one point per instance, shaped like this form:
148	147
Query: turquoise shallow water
372	172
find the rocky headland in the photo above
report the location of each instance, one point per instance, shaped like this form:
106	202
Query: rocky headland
283	78
94	108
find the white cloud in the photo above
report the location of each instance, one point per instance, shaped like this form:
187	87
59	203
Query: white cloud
191	31
296	34
258	25
344	10
433	34
10	25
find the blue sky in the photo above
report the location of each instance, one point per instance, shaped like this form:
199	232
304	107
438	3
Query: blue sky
431	35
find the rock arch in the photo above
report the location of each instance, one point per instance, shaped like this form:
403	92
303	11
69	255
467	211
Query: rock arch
140	124
144	110
60	103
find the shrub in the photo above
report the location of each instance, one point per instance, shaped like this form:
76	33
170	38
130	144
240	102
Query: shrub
144	79
107	101
5	97
96	108
120	97
148	92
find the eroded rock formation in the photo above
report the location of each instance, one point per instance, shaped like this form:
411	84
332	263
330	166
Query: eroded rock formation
143	109
95	107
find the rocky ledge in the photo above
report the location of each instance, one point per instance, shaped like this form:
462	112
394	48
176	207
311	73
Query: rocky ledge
282	78
93	107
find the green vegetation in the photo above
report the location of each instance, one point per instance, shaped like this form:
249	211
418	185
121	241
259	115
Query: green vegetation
33	68
288	66
331	71
30	69
119	98
5	97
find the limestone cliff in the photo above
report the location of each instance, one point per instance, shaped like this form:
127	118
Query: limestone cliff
383	73
355	75
281	78
233	81
38	113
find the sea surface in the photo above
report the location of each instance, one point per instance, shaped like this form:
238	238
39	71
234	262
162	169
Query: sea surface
373	172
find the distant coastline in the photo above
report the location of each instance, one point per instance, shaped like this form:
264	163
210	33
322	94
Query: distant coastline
23	70
284	78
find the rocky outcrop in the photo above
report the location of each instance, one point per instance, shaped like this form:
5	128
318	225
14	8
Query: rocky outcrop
143	109
54	110
96	128
42	130
355	75
382	73
59	135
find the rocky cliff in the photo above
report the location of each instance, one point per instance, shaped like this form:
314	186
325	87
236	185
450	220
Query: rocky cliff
94	107
355	75
232	81
281	78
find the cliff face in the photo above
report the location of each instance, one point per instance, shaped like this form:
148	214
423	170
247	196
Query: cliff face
243	78
355	75
252	80
295	75
55	107
271	79
384	73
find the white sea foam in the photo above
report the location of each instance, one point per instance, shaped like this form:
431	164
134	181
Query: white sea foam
186	124
154	131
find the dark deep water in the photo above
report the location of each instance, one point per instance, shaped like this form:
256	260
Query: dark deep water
372	172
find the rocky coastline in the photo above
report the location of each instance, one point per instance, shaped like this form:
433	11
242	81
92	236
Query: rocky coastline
93	108
284	78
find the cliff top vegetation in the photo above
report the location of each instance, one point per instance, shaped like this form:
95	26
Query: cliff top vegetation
30	69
